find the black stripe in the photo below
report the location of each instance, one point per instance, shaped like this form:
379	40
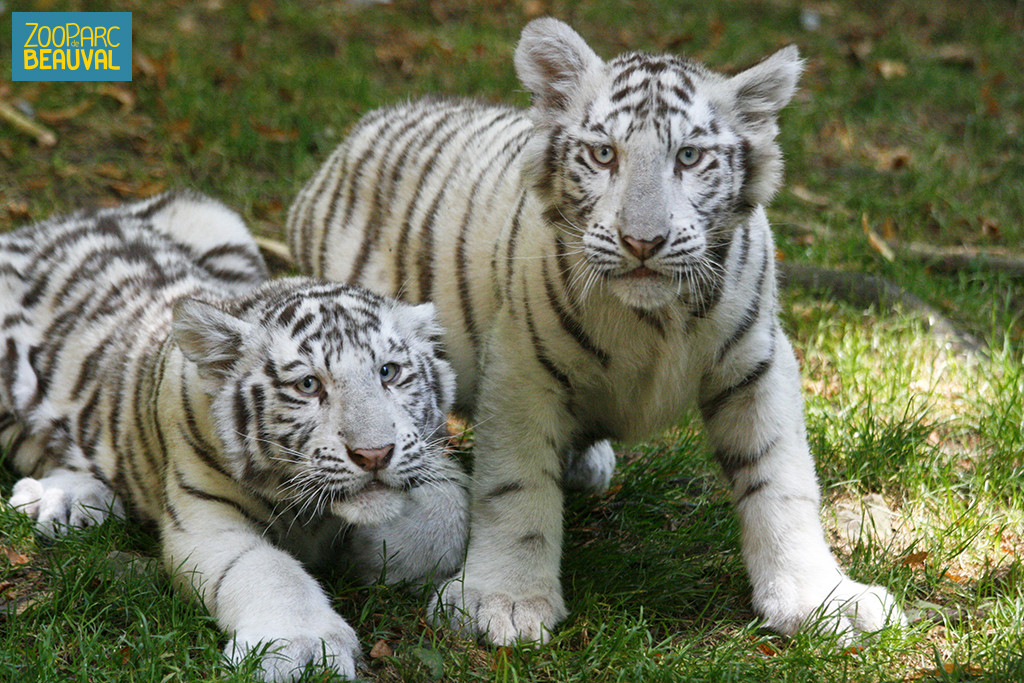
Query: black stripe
732	462
750	315
571	325
510	251
355	182
221	500
425	172
712	407
504	490
215	593
540	353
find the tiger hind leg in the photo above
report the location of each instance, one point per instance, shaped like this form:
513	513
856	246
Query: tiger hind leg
64	500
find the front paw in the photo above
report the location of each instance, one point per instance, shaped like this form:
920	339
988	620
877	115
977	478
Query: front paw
64	501
501	617
846	608
285	656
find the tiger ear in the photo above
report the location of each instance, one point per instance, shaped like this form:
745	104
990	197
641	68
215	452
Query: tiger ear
209	337
764	89
419	320
551	61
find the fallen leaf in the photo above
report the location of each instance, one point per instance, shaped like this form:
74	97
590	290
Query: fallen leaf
381	649
534	8
890	69
60	115
876	242
805	195
992	107
146	189
276	134
260	10
955	54
111	171
857	51
889	158
916	559
124	96
989	227
18	210
767	650
14	557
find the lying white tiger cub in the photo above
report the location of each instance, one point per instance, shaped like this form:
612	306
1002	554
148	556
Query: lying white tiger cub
145	359
599	264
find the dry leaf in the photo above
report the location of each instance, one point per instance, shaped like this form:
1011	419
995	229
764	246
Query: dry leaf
955	54
15	558
111	172
276	134
876	242
381	649
767	650
889	159
805	195
890	69
533	9
989	227
859	50
121	94
260	10
916	559
64	114
18	210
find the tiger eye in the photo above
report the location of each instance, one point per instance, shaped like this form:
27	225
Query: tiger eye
309	385
689	156
603	155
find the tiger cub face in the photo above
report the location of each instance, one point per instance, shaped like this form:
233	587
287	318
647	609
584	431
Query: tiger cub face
649	161
326	398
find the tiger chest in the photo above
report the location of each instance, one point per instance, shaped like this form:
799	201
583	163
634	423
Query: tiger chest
647	385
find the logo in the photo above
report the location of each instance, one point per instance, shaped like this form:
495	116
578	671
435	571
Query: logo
71	46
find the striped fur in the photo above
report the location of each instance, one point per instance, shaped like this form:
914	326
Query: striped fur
600	263
148	364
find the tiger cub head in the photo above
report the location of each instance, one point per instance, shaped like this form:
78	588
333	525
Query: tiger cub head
326	397
649	162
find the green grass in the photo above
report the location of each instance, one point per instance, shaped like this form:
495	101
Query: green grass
245	100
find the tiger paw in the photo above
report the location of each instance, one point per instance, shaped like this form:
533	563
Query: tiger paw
65	500
591	470
499	617
286	657
848	609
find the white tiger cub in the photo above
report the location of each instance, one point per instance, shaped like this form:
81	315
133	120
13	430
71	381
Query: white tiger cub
146	362
600	263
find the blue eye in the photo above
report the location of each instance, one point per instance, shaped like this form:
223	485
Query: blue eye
604	155
309	385
689	156
389	372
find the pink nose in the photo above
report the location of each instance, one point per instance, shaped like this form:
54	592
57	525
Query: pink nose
372	459
643	249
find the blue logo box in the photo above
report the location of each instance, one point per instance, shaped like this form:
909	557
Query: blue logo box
71	46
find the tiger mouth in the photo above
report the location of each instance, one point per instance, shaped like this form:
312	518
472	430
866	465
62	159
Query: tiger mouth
640	272
373	486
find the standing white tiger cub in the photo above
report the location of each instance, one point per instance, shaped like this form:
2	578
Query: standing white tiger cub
145	362
599	264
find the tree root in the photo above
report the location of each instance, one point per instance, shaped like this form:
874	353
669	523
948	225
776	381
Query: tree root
861	289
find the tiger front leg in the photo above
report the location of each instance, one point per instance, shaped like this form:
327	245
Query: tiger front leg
260	595
755	421
509	589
